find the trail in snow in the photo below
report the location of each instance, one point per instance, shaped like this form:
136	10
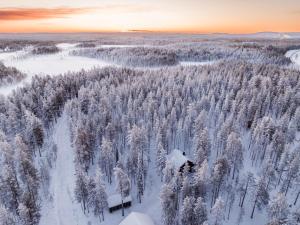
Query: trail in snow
63	210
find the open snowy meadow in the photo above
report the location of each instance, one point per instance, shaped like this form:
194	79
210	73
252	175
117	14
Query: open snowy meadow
150	129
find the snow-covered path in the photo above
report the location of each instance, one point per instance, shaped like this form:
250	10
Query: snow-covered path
63	210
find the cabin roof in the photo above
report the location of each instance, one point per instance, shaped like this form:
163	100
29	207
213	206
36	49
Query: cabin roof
177	159
116	199
136	218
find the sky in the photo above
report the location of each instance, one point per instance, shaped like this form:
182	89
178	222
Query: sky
185	16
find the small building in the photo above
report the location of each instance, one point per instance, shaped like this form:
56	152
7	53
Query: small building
136	218
115	202
178	160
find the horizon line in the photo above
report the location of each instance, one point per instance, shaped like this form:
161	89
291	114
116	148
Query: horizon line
150	32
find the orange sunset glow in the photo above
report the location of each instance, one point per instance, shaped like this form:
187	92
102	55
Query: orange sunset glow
186	16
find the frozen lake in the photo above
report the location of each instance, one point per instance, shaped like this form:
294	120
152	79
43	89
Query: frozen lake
59	63
51	64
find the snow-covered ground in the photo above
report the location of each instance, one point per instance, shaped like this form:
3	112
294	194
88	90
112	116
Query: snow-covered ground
194	63
294	55
63	209
52	64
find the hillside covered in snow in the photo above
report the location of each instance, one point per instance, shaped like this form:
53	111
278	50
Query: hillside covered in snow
169	130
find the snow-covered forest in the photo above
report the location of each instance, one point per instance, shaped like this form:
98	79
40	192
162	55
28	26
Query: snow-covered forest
10	75
71	141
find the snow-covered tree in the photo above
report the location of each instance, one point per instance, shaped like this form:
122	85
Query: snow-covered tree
278	209
123	184
107	158
217	212
200	211
97	196
201	179
234	152
6	217
260	195
187	213
202	146
168	202
160	159
81	188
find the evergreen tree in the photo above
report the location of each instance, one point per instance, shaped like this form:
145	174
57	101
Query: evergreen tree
187	213
200	211
123	184
168	203
217	212
279	209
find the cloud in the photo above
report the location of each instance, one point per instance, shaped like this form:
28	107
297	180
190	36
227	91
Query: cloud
14	13
39	13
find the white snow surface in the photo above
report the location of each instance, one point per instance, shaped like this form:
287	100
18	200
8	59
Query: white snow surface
63	209
195	63
50	64
136	218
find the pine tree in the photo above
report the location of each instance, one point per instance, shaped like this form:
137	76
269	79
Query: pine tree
202	146
6	217
123	184
234	152
278	209
168	202
29	209
201	180
200	211
217	212
107	158
219	173
140	179
292	171
101	197
81	188
260	195
187	213
160	159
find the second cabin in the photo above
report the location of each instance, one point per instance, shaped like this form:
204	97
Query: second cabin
115	202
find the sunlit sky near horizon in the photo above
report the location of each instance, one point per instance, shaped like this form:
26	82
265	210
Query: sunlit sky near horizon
195	16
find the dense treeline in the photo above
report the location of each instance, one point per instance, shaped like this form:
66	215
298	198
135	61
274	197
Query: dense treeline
167	55
9	46
132	56
239	120
26	157
46	49
10	75
86	45
225	117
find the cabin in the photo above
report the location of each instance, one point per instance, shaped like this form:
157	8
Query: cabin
115	202
178	160
136	218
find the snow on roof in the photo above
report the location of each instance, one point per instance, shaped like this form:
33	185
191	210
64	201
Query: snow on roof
136	218
116	199
176	158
